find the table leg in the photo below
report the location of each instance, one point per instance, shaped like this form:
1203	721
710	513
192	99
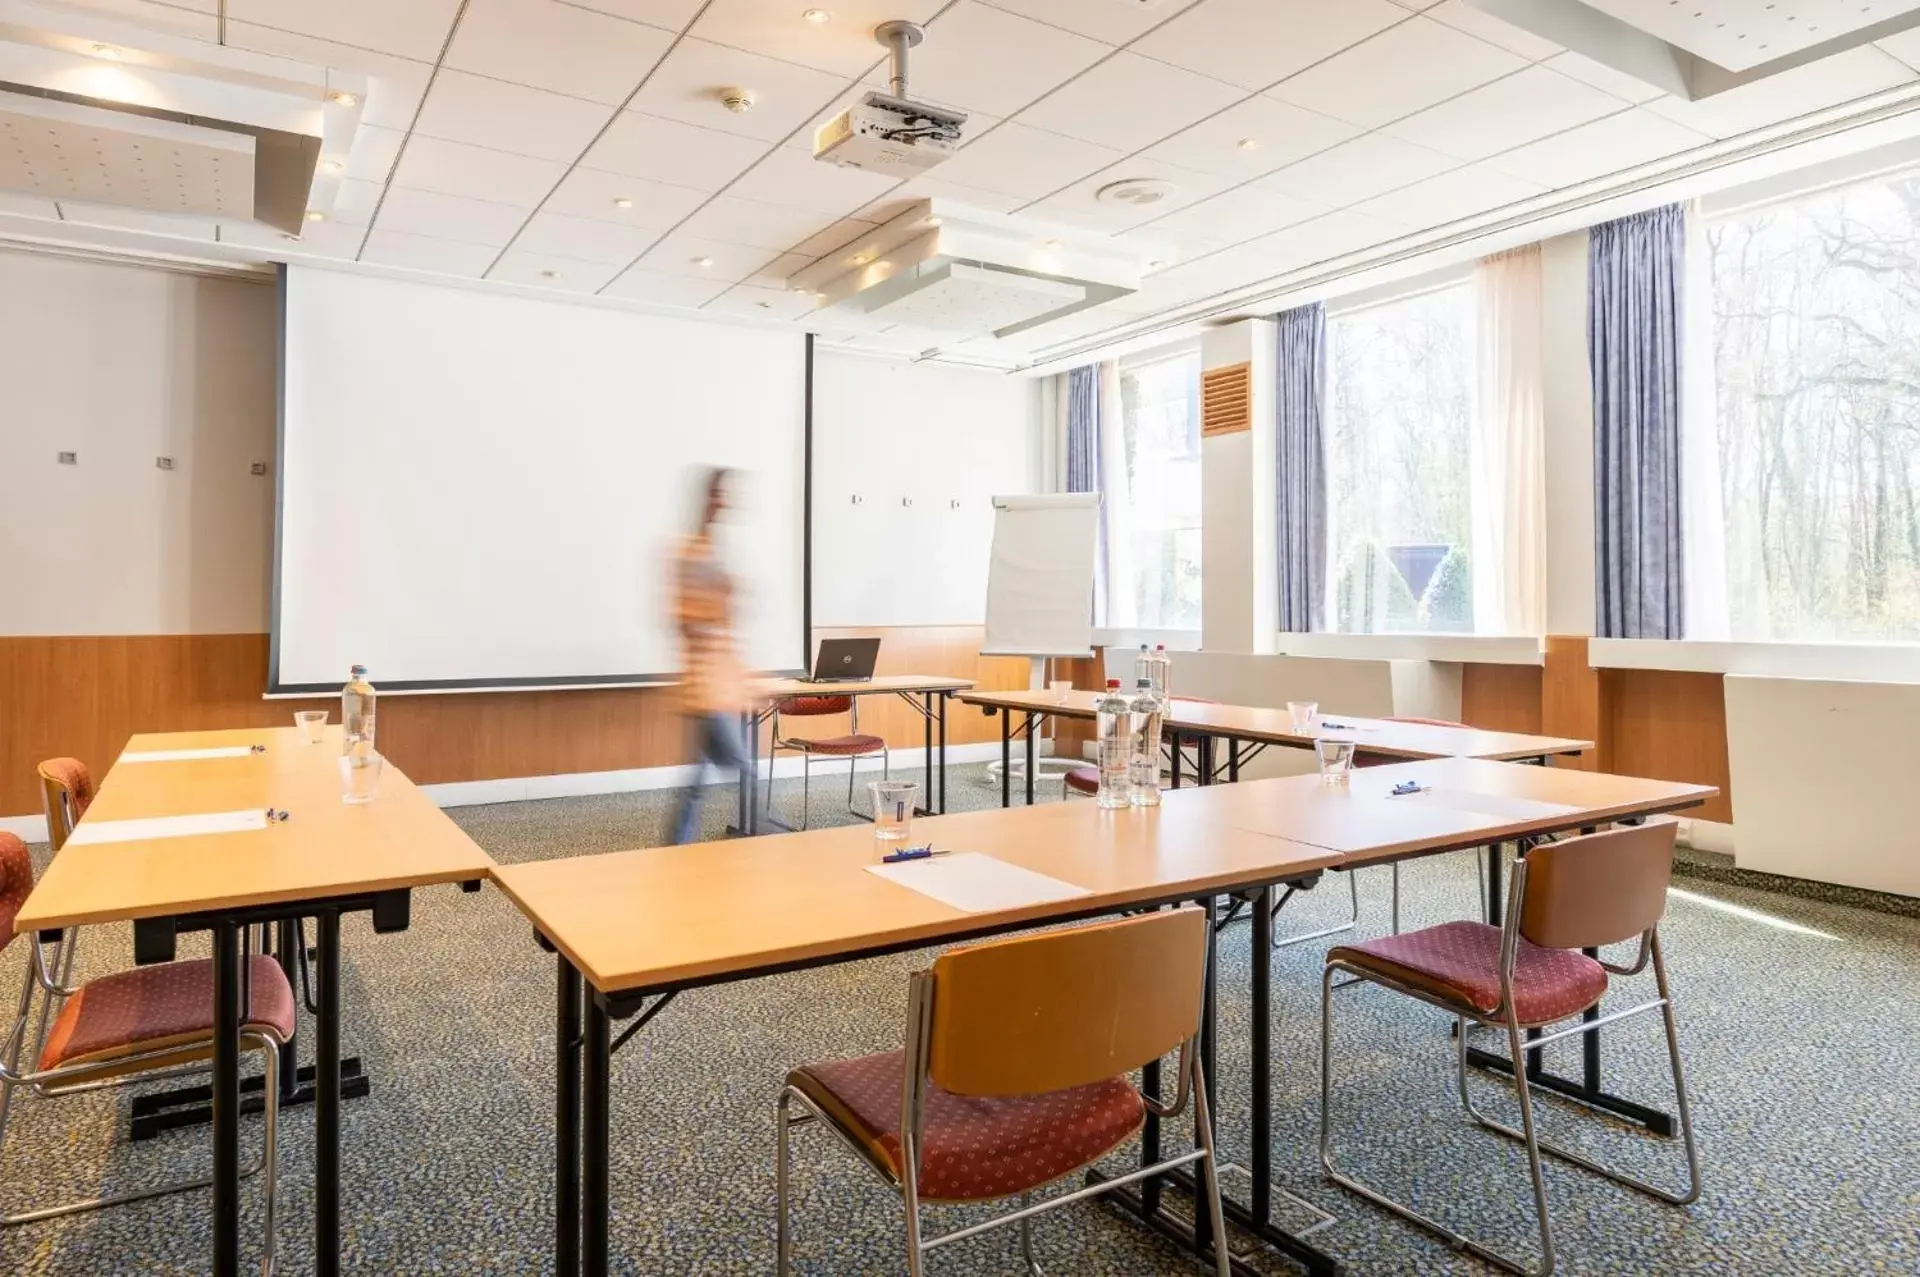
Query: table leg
944	698
1177	757
1233	759
1206	760
1496	867
926	752
595	1138
1260	1163
288	938
226	1099
1006	757
1209	1044
1030	721
566	1123
326	1103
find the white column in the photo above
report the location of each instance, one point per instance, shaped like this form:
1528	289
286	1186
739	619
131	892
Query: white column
1239	592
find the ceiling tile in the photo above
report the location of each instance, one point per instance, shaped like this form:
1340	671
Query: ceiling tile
732	220
670	151
1229	218
1080	205
1404	69
1578	66
424	252
199	21
1829	82
1016	159
754	302
1449	197
686	86
27	205
979	58
316	239
374	151
663	290
670	14
557	235
1253	43
902	197
509	117
354	203
450	217
565	274
1611	145
774	274
395	86
455	168
1102	20
680	254
1130	102
1495	117
590	193
1281	134
1356	170
1458	13
1311	243
774	28
410	28
790	177
557	47
838	235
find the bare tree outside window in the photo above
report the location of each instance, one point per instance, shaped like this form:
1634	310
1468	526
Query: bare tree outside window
1816	361
1157	585
1399	439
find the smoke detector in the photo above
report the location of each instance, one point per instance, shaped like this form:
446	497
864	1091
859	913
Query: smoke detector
1136	192
739	101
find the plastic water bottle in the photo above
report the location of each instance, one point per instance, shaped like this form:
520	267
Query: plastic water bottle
356	714
1143	663
1146	709
1162	673
1117	736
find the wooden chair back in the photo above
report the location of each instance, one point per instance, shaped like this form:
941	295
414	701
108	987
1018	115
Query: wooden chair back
1599	888
814	706
1065	1008
66	791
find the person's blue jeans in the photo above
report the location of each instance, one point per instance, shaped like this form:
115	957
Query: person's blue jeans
717	742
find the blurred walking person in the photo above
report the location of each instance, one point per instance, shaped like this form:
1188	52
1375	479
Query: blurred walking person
713	684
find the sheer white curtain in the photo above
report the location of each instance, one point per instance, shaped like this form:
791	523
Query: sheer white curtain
1121	611
1702	512
1509	448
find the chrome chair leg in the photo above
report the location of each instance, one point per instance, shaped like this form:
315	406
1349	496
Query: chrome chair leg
1353	896
910	1199
11	1052
1203	1120
782	1169
1026	1241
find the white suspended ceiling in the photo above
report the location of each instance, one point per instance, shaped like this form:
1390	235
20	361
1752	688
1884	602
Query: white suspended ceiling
580	145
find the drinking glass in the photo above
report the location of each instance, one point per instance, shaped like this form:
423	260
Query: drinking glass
893	803
359	776
1060	687
1336	759
1304	714
312	724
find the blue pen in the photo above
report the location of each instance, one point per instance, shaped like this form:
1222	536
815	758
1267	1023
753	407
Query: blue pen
1409	787
910	853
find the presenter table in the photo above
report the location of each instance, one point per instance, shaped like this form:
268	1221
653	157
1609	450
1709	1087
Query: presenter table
926	694
324	859
639	926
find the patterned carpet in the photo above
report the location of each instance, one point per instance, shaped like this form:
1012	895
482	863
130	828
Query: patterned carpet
1800	1020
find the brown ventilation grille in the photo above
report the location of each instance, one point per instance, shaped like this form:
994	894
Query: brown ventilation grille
1226	400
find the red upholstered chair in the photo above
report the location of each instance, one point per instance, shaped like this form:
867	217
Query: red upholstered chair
1368	758
1082	780
1014	1075
133	1026
1578	894
853	746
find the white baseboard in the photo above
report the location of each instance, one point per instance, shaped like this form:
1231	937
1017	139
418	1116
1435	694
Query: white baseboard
576	784
1707	835
26	828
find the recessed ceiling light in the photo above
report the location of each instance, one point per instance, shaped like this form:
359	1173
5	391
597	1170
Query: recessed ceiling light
106	51
1155	264
315	215
623	202
549	274
933	221
343	99
1248	144
1052	243
703	261
764	305
294	238
331	166
799	288
819	17
860	259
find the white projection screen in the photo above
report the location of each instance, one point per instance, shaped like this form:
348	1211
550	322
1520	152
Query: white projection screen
482	491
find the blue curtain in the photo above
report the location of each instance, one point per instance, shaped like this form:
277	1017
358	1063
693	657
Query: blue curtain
1083	463
1302	488
1636	268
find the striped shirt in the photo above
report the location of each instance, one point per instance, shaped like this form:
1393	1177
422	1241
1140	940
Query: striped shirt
713	681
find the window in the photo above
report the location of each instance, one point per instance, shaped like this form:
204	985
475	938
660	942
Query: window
1153	495
1400	418
1816	363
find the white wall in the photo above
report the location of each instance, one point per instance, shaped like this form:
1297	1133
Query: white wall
887	433
123	364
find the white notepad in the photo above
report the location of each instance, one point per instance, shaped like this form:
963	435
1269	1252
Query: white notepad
1498	805
977	883
213	822
185	755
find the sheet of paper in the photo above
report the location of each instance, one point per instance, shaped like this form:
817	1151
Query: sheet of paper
1498	805
213	822
977	883
185	755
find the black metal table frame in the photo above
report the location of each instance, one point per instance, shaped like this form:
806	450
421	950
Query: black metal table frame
930	704
154	941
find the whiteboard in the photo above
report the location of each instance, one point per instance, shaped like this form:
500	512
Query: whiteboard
1040	575
483	490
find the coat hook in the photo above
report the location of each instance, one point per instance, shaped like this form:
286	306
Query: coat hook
856	498
907	502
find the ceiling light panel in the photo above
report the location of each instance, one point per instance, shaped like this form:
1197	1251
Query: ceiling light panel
62	150
1740	34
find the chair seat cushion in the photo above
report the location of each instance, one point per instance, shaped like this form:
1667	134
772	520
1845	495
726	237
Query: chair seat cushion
976	1148
848	746
1460	963
1085	780
152	1008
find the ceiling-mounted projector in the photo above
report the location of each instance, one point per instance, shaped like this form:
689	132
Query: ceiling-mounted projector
889	132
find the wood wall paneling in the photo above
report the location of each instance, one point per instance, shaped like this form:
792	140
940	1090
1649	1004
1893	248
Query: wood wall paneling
1570	700
1501	698
1669	725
